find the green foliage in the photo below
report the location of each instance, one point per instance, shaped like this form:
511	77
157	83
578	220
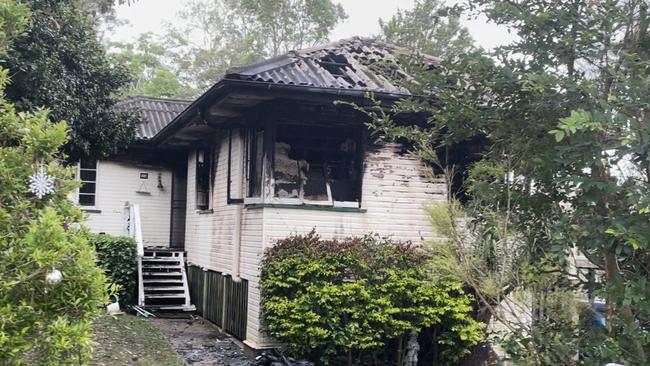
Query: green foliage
234	33
42	323
13	19
292	24
58	63
324	297
117	255
150	75
567	170
430	28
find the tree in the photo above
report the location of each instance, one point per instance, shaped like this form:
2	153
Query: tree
150	75
567	170
59	64
430	28
292	24
232	33
51	288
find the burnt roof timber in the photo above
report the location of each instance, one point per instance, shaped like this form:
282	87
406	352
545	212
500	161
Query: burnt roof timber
227	86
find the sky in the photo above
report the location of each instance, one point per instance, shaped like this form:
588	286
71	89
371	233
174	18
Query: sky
363	20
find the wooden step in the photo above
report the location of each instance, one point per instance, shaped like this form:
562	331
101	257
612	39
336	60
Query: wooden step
149	280
162	274
165	296
163	281
158	266
161	259
172	307
164	288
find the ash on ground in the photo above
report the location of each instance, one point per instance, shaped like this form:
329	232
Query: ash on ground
201	344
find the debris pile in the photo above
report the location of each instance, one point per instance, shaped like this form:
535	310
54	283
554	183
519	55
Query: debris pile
274	358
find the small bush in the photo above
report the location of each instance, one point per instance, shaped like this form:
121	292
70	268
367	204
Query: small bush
117	256
325	298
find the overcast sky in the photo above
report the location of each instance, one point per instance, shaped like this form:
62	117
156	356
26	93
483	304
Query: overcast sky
148	16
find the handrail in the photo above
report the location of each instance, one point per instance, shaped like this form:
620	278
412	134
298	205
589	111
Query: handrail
135	231
135	227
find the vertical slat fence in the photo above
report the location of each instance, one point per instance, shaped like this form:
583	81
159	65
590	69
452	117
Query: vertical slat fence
219	299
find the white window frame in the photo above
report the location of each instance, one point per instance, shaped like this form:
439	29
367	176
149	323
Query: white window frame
96	182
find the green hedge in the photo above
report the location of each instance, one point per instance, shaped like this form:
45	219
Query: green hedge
327	298
117	255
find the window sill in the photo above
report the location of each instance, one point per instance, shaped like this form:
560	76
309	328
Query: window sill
205	212
305	207
91	210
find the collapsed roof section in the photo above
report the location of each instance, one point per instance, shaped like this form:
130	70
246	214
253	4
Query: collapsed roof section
355	63
309	80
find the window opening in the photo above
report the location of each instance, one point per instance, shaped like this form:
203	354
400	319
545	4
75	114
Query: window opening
88	177
255	161
317	164
203	181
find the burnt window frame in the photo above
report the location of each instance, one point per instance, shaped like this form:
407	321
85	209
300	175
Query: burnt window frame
203	176
255	160
268	190
84	182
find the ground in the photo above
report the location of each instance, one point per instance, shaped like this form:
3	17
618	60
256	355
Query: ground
127	340
201	344
169	340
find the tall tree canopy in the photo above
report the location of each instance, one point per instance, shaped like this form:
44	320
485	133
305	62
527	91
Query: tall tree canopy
567	172
59	64
147	62
219	34
430	27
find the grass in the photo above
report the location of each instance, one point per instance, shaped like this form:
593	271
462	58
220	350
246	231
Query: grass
128	340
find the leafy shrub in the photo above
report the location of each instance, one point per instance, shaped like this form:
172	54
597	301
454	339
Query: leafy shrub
117	255
323	298
50	289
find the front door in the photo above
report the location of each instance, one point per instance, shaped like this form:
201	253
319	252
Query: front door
179	203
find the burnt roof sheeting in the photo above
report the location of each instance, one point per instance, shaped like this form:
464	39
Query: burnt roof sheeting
346	64
156	113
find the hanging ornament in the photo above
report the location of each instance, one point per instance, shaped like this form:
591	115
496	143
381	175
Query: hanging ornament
41	183
55	276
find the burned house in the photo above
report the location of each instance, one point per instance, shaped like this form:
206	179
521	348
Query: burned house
266	153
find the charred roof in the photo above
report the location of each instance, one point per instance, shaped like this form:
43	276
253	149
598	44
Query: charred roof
354	63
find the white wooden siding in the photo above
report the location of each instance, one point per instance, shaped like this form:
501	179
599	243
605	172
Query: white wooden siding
395	191
198	226
119	183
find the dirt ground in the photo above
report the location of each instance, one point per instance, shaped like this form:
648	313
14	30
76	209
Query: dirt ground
199	343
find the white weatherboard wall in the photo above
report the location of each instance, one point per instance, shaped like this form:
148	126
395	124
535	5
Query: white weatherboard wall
119	183
395	191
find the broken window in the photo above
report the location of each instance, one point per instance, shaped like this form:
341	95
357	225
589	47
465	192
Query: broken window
317	164
255	161
203	175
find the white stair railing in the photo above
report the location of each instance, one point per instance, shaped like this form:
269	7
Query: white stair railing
135	231
135	227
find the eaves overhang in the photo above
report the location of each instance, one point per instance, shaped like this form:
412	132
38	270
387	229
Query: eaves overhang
225	87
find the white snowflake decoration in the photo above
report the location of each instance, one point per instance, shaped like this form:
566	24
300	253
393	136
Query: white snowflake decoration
41	183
